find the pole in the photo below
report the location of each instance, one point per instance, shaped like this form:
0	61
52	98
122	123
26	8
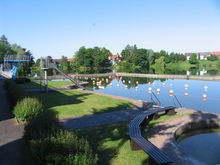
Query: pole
45	81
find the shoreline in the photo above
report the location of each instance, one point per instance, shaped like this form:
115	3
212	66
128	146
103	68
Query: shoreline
140	75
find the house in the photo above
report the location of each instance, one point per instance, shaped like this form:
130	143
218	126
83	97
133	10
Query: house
202	55
114	59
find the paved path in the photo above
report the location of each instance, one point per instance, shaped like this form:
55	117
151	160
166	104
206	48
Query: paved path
11	142
99	119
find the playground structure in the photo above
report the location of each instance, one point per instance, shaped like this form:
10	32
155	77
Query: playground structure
11	64
48	63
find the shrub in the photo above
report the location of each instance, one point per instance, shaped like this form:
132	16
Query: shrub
42	126
28	109
62	148
15	93
22	80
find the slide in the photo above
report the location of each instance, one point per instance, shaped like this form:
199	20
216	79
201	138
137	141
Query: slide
68	77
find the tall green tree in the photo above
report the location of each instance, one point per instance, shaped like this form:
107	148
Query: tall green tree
160	65
65	65
193	59
92	60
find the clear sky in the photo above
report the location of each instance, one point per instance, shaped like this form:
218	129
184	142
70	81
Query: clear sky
61	27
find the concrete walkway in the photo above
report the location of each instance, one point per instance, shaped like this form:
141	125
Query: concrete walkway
11	142
99	119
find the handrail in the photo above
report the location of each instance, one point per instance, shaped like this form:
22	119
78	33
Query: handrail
156	98
178	101
139	142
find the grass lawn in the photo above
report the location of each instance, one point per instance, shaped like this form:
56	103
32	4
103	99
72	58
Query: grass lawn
111	143
181	65
51	84
71	103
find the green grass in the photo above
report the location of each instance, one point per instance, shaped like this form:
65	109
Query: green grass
111	143
182	65
185	65
51	84
78	103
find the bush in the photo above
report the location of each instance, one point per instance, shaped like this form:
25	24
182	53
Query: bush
15	93
42	126
22	80
28	109
62	148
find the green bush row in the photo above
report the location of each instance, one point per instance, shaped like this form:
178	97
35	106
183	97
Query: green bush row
15	93
62	148
47	142
28	109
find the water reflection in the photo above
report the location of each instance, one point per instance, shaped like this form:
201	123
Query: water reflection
195	94
203	146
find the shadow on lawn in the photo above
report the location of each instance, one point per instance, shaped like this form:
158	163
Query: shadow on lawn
106	141
58	98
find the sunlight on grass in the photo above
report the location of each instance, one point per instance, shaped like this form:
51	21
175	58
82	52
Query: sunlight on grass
112	144
51	84
76	103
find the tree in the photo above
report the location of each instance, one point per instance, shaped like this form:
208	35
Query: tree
18	49
212	58
64	65
92	60
5	47
193	59
160	65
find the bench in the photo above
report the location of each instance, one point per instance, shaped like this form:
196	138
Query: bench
137	142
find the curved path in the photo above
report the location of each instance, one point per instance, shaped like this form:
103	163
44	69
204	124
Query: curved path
99	119
11	142
163	134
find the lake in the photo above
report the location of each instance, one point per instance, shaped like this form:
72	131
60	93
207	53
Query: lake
191	97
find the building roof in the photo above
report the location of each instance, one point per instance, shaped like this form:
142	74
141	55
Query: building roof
204	53
215	53
113	57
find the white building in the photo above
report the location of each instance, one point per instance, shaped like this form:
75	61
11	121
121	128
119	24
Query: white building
202	55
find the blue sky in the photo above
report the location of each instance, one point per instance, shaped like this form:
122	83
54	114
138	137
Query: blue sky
56	27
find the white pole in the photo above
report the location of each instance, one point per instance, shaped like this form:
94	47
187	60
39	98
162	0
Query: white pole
46	82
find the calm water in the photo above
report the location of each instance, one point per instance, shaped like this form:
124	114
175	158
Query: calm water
195	91
203	149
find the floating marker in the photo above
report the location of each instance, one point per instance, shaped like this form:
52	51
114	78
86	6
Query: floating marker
186	94
137	82
126	86
129	82
149	90
123	81
170	93
206	88
158	91
149	83
186	86
136	87
204	97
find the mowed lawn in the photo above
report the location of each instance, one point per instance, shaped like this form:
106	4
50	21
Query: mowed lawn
112	144
70	103
51	84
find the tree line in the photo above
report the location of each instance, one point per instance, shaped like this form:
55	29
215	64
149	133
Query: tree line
14	49
95	60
